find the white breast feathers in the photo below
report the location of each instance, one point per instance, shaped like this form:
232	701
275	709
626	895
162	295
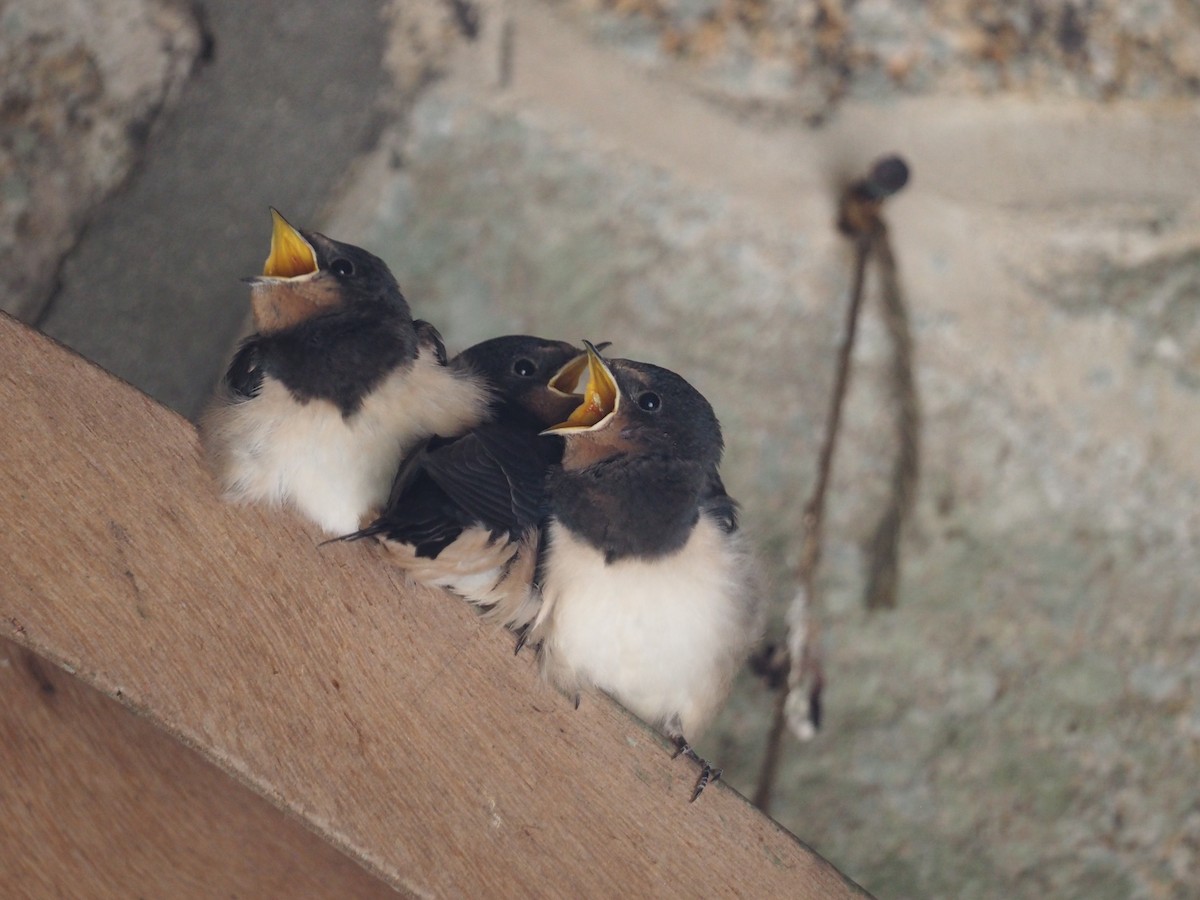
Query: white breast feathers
334	469
662	636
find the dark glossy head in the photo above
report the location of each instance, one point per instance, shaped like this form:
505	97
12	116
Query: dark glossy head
640	409
331	322
533	374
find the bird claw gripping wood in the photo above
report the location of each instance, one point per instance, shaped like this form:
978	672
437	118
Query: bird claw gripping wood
707	773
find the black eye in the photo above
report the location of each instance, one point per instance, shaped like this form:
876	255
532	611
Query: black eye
649	401
525	368
341	267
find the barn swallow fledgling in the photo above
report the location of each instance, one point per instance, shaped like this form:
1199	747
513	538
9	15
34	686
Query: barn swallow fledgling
647	587
319	406
465	512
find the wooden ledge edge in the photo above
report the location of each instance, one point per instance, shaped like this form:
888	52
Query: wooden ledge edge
385	717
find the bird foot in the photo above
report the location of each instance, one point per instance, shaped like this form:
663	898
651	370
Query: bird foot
708	774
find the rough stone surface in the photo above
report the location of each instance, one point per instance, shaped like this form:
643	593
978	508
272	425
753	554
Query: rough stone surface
803	58
82	83
277	115
1024	724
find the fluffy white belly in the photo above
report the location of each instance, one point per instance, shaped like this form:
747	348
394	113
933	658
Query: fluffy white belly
662	637
333	469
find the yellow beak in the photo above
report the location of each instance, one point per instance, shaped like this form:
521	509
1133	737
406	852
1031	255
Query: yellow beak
291	255
601	397
566	380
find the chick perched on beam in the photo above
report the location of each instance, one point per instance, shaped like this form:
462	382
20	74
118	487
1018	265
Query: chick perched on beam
466	512
647	587
338	382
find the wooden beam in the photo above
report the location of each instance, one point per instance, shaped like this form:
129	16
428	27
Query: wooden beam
97	802
385	716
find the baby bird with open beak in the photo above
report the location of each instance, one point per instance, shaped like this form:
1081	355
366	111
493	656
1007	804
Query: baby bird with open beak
338	382
466	512
647	587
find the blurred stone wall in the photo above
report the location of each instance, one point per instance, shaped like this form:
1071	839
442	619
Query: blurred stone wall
803	58
664	176
82	83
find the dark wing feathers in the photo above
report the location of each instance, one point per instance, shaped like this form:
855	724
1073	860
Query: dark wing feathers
429	336
413	465
717	504
427	520
245	375
493	476
496	474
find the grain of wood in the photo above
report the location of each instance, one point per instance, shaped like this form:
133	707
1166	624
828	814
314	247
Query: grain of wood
97	802
385	716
